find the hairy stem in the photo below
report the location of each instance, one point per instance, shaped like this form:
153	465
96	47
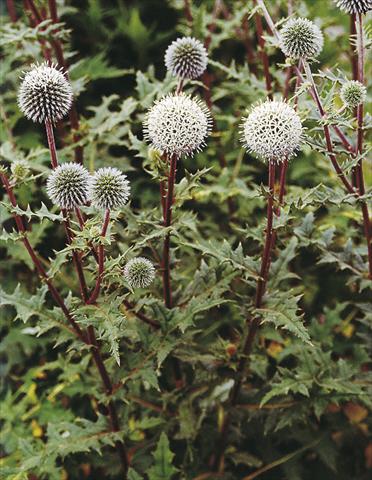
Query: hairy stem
101	261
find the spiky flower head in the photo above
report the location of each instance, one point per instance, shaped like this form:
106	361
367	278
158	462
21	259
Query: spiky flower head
272	131
301	38
186	58
354	6
45	94
139	272
19	169
177	125
109	188
353	93
68	184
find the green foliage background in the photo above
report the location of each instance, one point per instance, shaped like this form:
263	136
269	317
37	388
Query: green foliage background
305	403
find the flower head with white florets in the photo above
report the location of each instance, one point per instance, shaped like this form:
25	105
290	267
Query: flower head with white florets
353	93
354	6
67	185
109	188
45	94
301	38
139	272
272	131
177	125
186	58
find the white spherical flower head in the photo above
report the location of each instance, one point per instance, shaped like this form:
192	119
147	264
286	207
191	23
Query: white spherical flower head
301	38
109	188
353	93
68	184
139	272
354	6
177	125
272	131
186	58
45	94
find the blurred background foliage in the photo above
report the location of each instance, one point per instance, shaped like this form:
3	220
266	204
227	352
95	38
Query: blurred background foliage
315	420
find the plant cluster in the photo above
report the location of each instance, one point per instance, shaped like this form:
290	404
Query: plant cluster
186	242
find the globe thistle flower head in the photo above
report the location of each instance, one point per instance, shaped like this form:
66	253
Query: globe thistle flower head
45	94
353	93
186	58
354	6
177	125
272	131
68	185
109	188
301	38
139	272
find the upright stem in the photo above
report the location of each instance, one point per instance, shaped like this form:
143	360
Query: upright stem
101	261
51	143
359	168
264	57
11	10
167	221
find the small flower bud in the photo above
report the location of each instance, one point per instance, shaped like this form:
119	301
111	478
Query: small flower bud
67	185
19	169
139	272
109	188
45	94
186	58
301	38
354	6
177	125
272	131
353	93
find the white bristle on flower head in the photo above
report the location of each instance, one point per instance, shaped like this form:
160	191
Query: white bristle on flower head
109	188
68	184
272	131
178	125
301	38
139	272
354	6
353	93
186	58
45	94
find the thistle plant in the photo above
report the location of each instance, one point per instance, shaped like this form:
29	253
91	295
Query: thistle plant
177	125
228	338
